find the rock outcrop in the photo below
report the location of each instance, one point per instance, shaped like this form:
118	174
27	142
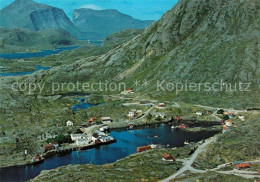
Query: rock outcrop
35	16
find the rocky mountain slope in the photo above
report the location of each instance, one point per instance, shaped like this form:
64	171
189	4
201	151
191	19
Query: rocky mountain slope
20	40
196	41
35	16
98	24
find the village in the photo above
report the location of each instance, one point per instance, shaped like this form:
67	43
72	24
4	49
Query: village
95	131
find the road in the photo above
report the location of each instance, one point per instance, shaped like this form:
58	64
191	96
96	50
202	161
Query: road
188	163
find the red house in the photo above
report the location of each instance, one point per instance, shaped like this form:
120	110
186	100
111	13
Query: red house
244	165
48	147
178	118
92	119
167	157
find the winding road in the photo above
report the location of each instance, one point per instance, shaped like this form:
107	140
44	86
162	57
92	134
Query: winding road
188	163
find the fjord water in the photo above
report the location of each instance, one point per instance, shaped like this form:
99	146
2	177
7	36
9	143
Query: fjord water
127	142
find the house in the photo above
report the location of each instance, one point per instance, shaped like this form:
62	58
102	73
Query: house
106	138
127	91
103	128
209	112
83	141
144	103
69	123
48	147
230	115
228	123
178	118
131	114
131	125
106	120
242	118
55	145
139	112
161	106
244	165
199	113
93	119
167	157
143	148
159	115
236	163
182	126
77	136
130	90
225	128
101	133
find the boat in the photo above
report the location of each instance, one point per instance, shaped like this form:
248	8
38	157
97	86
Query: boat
104	128
186	143
38	159
153	146
173	127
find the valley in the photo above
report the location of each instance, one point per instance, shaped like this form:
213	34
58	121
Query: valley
178	80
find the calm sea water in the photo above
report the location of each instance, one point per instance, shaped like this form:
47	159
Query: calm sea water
81	105
127	142
43	53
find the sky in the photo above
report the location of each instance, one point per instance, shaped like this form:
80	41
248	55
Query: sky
140	9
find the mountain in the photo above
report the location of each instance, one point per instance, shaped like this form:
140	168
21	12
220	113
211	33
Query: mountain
98	24
35	16
20	40
196	41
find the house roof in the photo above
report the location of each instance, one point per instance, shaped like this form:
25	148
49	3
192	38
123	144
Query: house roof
95	135
105	118
167	156
237	162
48	146
242	165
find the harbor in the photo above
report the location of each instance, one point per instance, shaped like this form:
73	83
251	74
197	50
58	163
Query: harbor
127	143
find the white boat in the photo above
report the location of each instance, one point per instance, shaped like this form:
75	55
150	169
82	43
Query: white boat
186	143
172	127
103	128
153	146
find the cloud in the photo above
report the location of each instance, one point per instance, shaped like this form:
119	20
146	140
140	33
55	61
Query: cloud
91	6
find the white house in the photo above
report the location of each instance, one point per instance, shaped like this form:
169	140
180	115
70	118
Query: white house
84	141
106	120
228	123
139	112
161	106
159	115
242	118
103	128
106	138
131	114
100	133
77	136
69	123
199	113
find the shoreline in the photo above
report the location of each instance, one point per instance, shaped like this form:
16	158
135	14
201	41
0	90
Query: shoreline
113	128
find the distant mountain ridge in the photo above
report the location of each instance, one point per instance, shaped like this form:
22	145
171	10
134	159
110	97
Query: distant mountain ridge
89	24
98	24
35	16
21	40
